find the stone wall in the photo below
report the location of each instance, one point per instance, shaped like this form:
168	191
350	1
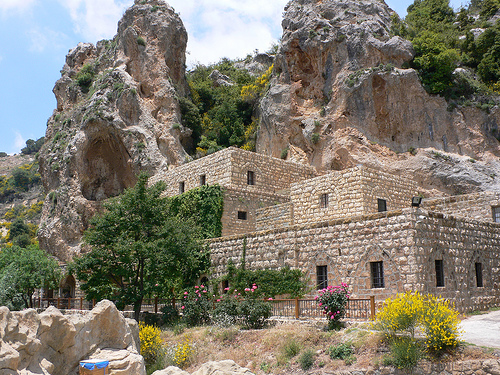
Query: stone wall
248	202
476	206
276	216
352	192
229	168
407	242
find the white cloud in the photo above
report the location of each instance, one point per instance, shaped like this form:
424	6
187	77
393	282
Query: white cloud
96	19
45	38
15	5
229	28
19	141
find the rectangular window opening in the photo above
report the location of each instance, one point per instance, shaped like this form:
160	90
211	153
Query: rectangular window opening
496	214
242	215
203	179
382	205
321	277
377	273
439	272
250	178
323	200
479	275
181	187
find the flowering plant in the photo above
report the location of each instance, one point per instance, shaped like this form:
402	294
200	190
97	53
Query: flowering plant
333	301
196	306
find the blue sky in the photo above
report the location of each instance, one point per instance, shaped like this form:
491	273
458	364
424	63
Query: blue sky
36	35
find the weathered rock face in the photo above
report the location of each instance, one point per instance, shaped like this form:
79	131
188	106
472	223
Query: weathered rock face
53	343
115	116
227	367
341	96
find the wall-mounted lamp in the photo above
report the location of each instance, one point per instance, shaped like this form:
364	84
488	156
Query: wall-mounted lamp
416	201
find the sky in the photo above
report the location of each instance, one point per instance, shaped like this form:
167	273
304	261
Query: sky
36	35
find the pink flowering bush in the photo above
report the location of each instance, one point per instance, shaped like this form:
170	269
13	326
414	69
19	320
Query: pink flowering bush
333	301
196	306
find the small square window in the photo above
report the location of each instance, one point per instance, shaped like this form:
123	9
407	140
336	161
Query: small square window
479	275
203	179
439	272
242	215
321	277
250	178
181	187
382	205
323	200
377	273
496	214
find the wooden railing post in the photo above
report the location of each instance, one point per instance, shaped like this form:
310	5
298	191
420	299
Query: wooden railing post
297	308
81	303
58	302
156	305
372	307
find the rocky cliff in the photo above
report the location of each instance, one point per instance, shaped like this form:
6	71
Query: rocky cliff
117	114
340	96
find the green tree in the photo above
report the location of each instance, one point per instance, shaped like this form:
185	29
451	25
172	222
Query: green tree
21	178
33	146
139	250
23	270
18	228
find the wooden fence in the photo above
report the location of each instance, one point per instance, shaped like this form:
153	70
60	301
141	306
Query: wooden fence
363	309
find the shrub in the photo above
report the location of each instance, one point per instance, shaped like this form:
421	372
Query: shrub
170	315
405	353
333	300
306	360
340	351
226	311
141	41
254	313
151	343
315	138
284	153
407	312
85	77
290	348
196	306
183	353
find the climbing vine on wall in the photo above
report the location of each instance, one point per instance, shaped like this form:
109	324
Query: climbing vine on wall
203	204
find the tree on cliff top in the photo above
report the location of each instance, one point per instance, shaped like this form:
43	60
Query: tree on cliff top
138	249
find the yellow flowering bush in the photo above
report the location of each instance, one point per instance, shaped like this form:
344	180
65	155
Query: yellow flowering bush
408	312
252	91
151	342
183	352
440	322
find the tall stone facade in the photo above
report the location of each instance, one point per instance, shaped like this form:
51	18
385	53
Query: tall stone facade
356	226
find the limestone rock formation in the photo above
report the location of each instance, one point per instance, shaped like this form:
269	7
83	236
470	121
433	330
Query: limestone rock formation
342	95
53	343
117	114
227	367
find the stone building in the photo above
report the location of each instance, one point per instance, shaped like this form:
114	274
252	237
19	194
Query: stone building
356	226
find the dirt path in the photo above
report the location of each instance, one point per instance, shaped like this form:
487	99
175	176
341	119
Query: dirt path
482	330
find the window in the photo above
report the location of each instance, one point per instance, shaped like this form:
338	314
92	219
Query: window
382	205
203	179
377	273
323	200
250	178
181	187
242	215
479	275
439	272
496	214
322	277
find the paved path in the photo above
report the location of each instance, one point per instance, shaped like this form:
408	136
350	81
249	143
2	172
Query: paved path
482	330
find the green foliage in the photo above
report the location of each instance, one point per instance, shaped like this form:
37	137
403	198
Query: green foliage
290	348
254	313
85	77
3	154
141	41
271	283
405	353
23	270
217	113
340	351
306	359
333	301
18	228
151	342
204	206
139	249
315	138
32	147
